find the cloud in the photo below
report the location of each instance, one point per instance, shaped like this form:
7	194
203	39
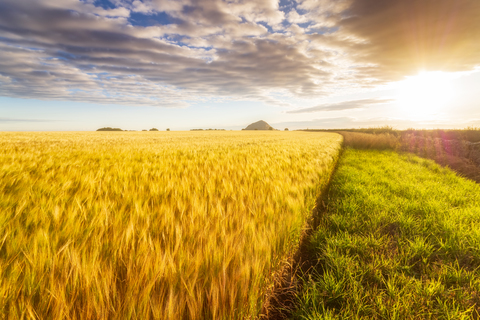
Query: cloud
71	52
402	37
344	105
78	51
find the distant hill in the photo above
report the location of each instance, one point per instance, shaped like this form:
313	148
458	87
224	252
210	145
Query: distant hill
259	125
109	129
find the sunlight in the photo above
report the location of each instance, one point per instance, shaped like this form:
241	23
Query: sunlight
425	95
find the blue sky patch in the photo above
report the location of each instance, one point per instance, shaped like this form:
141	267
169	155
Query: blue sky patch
287	5
305	24
105	4
148	20
266	26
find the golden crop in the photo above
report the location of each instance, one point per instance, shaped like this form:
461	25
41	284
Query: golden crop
165	225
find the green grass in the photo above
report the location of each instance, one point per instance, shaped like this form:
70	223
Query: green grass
400	239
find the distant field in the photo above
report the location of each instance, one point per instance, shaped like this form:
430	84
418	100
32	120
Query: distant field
164	225
400	239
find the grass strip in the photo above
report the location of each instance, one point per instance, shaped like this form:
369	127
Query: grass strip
400	239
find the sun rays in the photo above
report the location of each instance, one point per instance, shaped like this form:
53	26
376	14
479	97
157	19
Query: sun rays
425	95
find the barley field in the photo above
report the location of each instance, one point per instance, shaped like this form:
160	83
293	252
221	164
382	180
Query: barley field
152	225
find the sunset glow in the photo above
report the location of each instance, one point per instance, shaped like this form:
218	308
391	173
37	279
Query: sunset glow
425	95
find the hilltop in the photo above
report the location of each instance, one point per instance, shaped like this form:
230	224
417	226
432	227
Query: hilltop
259	125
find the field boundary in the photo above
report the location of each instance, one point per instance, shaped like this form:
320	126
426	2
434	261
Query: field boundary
461	156
280	301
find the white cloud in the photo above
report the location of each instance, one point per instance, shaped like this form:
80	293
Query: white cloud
344	105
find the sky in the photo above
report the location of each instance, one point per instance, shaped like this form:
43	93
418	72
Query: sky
185	64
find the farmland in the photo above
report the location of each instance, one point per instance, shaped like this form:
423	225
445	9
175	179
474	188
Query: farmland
399	239
164	225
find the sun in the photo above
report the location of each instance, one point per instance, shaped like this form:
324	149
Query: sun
425	95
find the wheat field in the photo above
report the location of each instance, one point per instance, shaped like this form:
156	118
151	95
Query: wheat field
152	225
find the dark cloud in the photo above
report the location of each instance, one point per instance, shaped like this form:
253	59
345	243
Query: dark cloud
344	105
401	37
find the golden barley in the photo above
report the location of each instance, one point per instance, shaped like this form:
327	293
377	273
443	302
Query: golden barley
157	225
